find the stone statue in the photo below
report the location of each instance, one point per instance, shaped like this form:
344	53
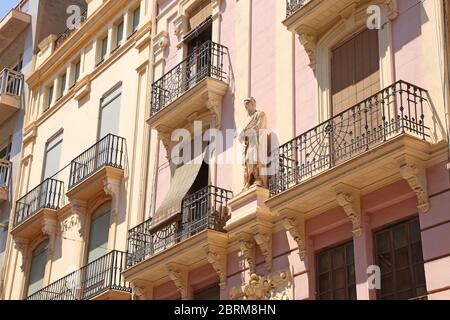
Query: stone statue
254	139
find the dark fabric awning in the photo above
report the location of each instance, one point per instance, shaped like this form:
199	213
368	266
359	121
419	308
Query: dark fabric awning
182	180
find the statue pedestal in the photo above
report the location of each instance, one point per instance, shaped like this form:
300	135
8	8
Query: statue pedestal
246	207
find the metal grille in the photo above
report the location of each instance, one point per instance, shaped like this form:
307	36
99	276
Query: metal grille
48	195
293	5
11	82
204	209
396	110
89	281
205	61
109	151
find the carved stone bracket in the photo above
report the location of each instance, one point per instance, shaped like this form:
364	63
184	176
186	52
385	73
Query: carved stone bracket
179	276
214	104
392	11
415	175
247	247
217	257
78	209
350	201
308	40
21	245
49	229
160	42
181	25
263	237
276	286
296	228
141	290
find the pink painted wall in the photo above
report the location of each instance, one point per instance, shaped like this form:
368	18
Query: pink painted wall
171	50
263	56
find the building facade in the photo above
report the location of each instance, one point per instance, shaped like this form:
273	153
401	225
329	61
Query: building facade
143	170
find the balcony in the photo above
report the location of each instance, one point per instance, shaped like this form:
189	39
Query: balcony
11	83
104	160
99	280
195	86
12	25
315	16
181	239
66	34
5	170
36	206
362	147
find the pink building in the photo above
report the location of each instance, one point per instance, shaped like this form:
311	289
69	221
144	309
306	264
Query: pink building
357	208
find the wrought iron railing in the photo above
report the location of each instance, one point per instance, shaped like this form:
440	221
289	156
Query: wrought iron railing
107	152
204	209
11	82
395	110
89	281
205	61
293	5
5	171
77	23
48	195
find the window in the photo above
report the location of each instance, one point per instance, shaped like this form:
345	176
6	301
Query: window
398	252
52	156
5	152
110	112
77	72
63	84
37	269
98	234
104	49
355	71
335	272
49	97
211	293
136	18
119	34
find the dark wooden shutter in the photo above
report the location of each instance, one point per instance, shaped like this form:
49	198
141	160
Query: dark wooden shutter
355	71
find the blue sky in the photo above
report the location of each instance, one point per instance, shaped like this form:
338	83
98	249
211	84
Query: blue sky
6	5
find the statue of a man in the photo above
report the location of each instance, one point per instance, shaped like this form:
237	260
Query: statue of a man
254	139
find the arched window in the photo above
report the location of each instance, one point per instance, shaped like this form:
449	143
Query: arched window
98	235
37	269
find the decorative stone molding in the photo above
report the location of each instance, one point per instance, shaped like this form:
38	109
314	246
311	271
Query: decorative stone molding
277	286
71	223
181	25
78	209
415	175
49	228
263	237
350	201
160	42
296	228
141	290
247	247
214	105
111	187
179	277
21	245
218	259
308	40
391	8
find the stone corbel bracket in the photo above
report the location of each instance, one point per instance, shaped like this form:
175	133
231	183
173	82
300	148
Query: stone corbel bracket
247	248
308	39
213	103
49	229
415	174
262	234
217	257
21	245
181	23
295	225
392	10
78	209
350	200
141	290
179	275
160	42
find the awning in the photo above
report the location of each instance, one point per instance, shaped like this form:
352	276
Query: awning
182	180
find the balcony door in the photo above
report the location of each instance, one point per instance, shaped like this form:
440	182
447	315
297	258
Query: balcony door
37	268
355	76
97	269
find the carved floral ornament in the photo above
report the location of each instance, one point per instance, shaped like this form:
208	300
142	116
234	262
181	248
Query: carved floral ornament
276	286
415	176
